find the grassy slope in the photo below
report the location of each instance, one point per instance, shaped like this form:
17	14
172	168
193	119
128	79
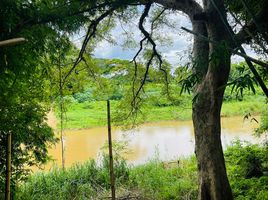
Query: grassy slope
93	114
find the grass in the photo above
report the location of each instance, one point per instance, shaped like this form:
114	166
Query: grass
254	104
153	180
86	115
93	113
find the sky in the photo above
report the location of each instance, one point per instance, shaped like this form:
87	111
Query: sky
171	52
176	53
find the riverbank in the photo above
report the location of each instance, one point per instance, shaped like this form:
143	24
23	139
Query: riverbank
92	114
159	181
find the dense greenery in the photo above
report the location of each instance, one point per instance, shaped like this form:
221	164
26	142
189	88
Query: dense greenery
86	107
25	77
153	180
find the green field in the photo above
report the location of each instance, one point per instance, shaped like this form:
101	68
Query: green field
93	113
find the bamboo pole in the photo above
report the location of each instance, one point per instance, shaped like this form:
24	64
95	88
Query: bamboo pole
11	42
61	116
112	177
8	167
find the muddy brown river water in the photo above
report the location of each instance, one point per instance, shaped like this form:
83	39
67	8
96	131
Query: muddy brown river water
166	140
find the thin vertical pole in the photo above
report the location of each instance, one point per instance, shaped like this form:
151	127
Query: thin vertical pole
8	167
112	177
61	115
61	133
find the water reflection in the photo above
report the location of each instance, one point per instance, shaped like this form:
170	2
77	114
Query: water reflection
167	140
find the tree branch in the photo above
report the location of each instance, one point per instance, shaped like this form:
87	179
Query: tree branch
263	64
254	20
90	34
261	18
189	7
149	62
243	54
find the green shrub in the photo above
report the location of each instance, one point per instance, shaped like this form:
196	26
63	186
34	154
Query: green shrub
83	97
246	164
76	182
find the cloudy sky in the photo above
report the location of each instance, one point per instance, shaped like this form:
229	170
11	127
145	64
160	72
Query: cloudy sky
175	53
171	52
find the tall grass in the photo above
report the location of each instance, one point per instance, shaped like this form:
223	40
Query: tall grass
81	181
154	180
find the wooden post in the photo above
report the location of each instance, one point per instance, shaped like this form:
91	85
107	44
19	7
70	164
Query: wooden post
112	177
8	167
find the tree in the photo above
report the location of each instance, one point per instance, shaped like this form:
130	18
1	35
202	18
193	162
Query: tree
213	44
23	89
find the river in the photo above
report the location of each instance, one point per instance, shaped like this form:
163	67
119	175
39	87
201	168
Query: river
166	140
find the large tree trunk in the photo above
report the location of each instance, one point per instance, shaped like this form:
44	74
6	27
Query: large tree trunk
211	64
213	181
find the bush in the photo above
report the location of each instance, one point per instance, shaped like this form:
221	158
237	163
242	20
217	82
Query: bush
153	180
246	164
84	96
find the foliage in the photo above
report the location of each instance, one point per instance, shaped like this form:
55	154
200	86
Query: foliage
30	138
241	79
263	128
23	79
160	181
82	97
45	24
157	108
247	160
246	164
89	180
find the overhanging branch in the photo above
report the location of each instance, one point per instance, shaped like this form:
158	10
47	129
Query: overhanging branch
260	18
242	54
254	20
263	64
147	37
90	34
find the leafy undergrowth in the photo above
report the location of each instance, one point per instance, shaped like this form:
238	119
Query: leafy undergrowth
246	165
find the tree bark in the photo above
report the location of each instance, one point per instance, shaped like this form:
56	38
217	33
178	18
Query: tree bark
213	180
211	64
